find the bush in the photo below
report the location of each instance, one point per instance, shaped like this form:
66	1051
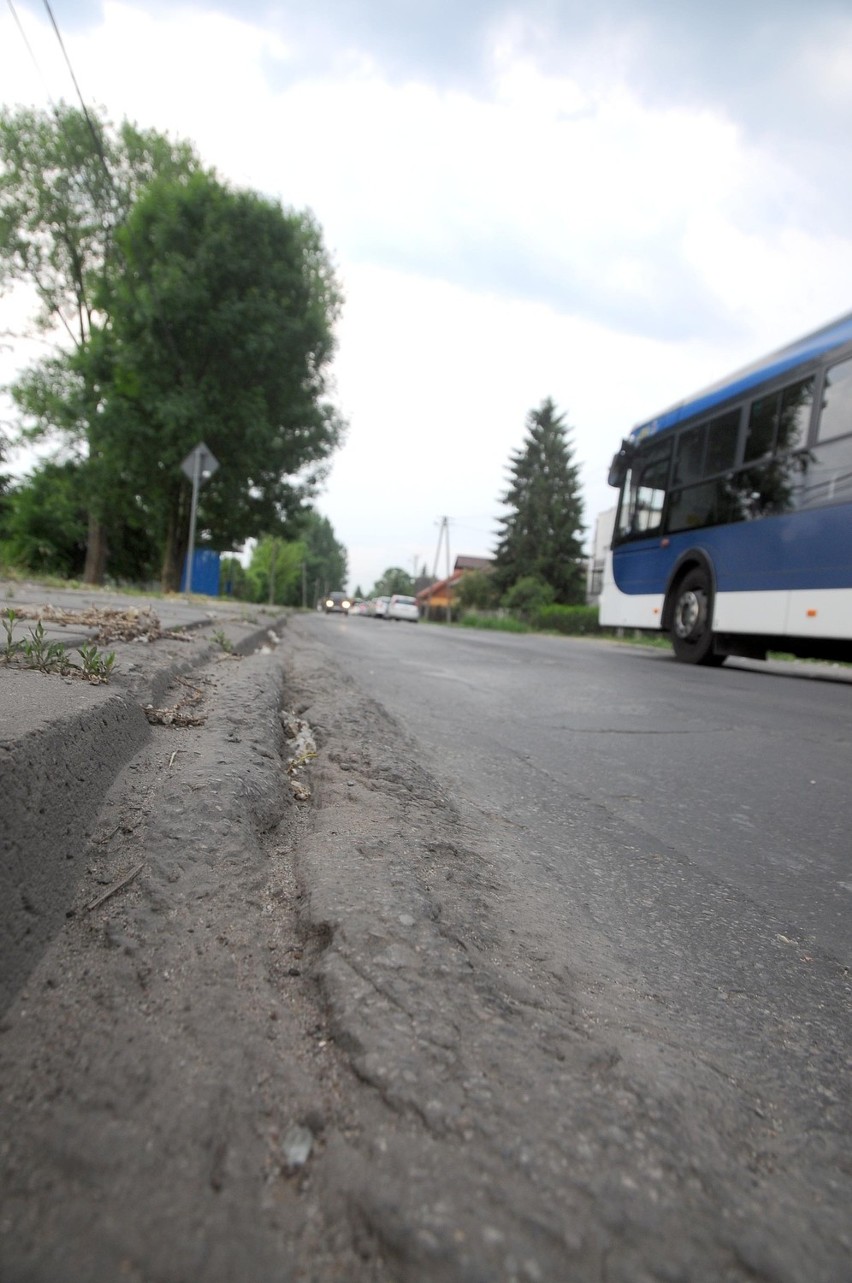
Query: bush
527	597
497	623
572	621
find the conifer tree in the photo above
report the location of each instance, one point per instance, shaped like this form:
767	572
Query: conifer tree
541	535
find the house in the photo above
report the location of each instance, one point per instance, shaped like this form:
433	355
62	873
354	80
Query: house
438	596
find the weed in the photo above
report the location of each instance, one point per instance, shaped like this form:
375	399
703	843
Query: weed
12	646
39	652
97	665
221	640
42	653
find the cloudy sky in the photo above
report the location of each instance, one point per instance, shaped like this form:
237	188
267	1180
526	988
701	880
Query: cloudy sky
610	204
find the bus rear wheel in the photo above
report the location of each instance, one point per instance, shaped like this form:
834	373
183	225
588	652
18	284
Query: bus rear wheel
691	627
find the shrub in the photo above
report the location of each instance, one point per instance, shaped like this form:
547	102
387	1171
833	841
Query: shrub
528	596
569	620
572	621
497	623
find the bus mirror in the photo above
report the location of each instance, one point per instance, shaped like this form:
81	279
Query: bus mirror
620	464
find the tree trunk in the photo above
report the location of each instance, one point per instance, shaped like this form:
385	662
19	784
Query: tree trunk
174	550
96	552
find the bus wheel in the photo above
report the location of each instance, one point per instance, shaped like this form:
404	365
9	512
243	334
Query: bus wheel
691	632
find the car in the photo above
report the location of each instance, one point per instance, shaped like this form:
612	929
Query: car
401	607
380	607
337	603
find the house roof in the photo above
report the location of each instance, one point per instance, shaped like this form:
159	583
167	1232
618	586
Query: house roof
464	562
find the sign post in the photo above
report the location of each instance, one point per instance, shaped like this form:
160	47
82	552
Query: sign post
199	465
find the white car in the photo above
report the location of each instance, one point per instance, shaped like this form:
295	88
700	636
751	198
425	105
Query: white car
380	607
400	607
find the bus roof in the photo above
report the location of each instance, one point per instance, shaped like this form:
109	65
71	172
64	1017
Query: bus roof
834	335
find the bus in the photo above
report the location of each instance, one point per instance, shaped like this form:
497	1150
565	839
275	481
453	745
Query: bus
733	530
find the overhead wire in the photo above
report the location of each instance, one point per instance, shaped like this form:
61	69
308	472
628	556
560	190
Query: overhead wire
31	52
104	163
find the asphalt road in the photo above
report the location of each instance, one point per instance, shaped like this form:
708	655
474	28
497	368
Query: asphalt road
540	963
678	840
739	777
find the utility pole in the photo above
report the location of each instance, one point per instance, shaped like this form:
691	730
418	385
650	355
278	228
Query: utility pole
273	558
442	533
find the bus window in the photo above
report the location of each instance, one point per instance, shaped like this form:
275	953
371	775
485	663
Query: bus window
722	434
689	463
693	507
795	415
760	434
835	418
828	466
644	493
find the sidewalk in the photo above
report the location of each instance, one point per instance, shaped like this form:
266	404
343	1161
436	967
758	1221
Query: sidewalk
63	739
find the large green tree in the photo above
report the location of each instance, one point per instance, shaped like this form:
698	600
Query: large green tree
44	524
68	179
326	559
541	534
394	580
220	329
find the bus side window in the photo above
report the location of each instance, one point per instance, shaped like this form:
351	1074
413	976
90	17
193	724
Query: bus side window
645	494
835	418
722	436
828	465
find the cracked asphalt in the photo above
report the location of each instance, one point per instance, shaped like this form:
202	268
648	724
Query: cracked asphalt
380	1032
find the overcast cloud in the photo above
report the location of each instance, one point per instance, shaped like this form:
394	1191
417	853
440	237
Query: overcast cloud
609	204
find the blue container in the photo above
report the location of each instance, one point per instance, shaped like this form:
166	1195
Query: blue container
205	573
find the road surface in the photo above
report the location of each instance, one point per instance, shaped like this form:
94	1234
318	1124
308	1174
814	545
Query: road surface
537	970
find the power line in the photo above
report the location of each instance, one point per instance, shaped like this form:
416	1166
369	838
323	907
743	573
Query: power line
31	52
95	135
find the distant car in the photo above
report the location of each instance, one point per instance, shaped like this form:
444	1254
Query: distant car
380	607
337	603
400	607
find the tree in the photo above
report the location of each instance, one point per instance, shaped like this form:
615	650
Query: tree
220	329
325	559
394	580
45	526
475	590
67	180
274	573
527	596
541	536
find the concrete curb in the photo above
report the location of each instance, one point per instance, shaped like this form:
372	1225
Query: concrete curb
63	742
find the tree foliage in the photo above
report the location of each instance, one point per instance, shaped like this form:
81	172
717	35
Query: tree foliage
44	527
527	596
221	330
190	312
541	535
274	573
68	179
326	566
394	580
476	590
292	572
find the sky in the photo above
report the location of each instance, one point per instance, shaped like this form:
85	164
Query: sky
609	204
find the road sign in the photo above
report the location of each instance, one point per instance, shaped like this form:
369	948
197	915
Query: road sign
200	463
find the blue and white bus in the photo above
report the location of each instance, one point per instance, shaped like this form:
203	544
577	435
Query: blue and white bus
733	532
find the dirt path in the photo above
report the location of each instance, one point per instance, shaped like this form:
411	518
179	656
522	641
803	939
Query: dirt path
320	1039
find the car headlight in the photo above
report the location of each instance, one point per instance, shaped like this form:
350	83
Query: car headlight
329	603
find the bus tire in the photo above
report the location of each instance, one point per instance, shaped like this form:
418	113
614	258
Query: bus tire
692	614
